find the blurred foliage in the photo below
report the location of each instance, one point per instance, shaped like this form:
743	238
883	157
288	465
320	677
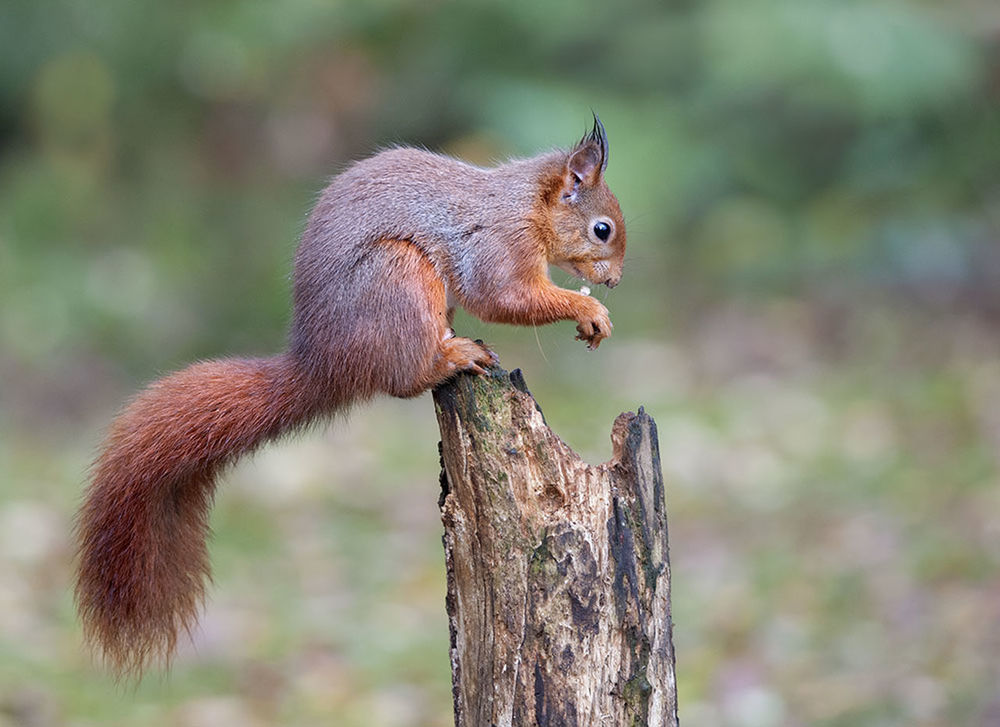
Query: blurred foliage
812	189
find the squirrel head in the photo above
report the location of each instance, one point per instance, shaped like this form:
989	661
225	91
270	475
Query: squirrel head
585	217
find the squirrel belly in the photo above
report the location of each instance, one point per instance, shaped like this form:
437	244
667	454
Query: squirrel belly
393	244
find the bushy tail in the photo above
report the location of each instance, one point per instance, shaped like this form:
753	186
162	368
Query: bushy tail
143	562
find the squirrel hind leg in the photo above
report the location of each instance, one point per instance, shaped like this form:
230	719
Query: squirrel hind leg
454	355
461	354
415	348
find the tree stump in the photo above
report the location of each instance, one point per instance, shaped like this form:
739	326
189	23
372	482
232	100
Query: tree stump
558	571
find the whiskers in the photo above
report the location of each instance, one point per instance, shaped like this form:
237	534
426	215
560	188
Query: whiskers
539	342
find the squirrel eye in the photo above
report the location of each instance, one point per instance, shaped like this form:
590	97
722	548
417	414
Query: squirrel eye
602	230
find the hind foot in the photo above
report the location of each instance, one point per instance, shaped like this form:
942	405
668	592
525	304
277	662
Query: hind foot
464	354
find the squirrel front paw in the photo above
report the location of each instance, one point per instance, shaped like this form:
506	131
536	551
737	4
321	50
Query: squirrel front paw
594	325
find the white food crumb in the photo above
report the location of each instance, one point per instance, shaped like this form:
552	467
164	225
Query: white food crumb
585	290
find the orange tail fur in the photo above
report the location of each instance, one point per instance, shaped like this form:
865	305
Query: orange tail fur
142	529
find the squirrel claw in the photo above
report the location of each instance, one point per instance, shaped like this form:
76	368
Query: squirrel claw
594	328
494	359
463	354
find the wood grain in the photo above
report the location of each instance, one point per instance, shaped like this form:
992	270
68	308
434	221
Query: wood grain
558	571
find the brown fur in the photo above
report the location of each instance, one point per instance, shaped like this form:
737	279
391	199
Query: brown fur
394	243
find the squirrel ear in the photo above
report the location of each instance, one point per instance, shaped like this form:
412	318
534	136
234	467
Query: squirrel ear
589	157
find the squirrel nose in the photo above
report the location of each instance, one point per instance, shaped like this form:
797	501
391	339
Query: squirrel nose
612	282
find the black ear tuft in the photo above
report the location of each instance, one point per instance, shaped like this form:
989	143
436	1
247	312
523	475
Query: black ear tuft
589	157
597	137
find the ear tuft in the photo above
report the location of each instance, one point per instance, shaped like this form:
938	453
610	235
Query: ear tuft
599	138
589	157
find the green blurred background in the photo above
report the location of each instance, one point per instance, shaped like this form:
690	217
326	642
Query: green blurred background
809	311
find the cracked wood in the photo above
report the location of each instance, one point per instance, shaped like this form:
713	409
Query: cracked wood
558	571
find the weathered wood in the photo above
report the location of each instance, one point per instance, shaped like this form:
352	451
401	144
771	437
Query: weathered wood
558	571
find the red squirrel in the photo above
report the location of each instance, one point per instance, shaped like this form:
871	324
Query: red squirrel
394	243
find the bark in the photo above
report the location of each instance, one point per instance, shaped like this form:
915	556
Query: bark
558	571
